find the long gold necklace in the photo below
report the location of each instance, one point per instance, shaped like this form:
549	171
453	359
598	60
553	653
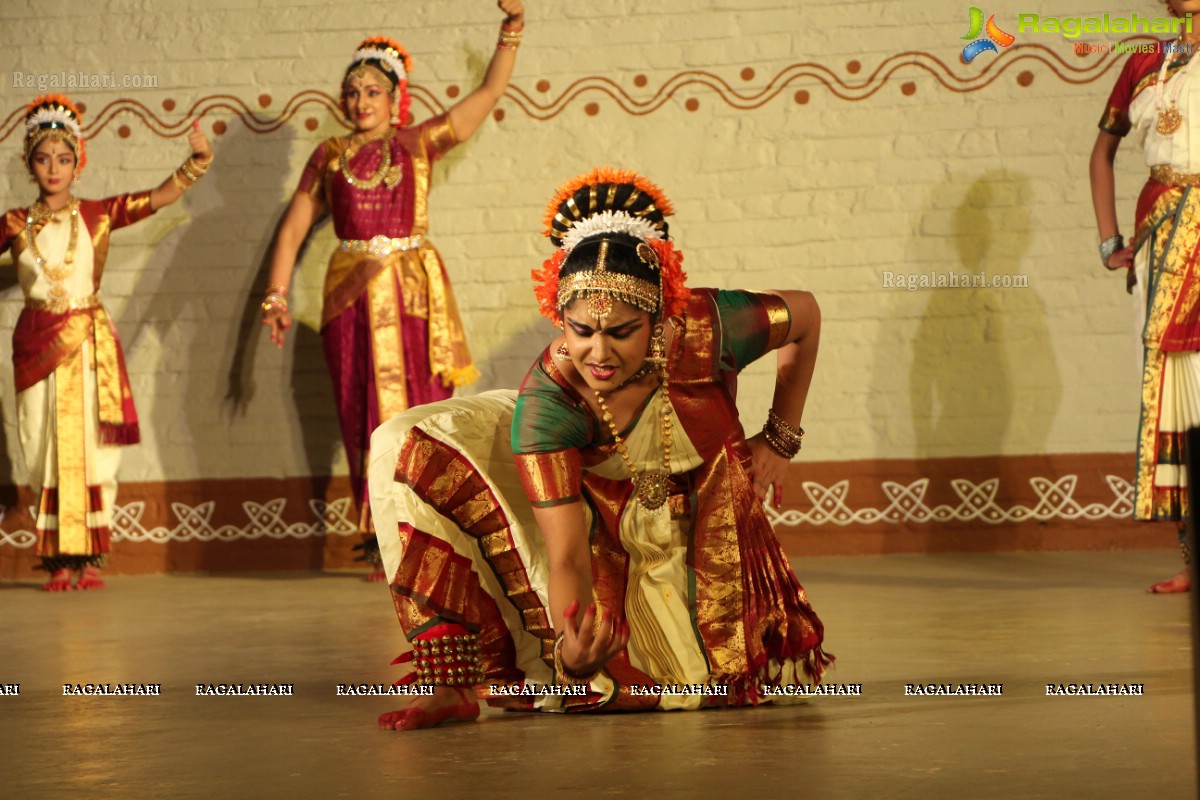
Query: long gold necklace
387	174
56	275
652	486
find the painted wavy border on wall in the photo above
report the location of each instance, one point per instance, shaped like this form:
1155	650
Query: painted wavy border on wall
906	503
802	79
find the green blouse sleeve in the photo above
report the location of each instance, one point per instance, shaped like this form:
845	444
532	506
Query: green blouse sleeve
546	418
752	324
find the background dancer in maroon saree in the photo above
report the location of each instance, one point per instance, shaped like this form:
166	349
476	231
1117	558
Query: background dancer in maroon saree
74	404
391	330
1158	100
623	552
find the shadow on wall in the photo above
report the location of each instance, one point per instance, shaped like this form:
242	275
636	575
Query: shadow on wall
214	277
982	377
507	365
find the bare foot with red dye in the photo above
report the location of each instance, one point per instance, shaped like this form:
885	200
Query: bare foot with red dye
60	581
446	704
89	579
1181	582
377	576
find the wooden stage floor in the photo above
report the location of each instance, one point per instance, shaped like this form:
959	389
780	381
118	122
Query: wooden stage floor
1023	620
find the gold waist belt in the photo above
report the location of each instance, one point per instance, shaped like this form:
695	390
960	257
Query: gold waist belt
380	246
1167	176
64	304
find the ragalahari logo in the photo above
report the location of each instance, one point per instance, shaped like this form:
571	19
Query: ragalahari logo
994	37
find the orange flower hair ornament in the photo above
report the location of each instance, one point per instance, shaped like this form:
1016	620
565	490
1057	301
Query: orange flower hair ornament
608	200
54	115
396	61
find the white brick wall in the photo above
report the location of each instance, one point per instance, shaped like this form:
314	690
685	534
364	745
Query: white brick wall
825	196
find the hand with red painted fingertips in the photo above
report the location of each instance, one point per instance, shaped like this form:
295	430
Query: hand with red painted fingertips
586	646
201	149
767	468
514	14
277	320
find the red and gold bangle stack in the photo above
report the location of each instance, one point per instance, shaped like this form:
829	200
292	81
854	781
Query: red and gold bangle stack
275	299
447	655
510	38
782	437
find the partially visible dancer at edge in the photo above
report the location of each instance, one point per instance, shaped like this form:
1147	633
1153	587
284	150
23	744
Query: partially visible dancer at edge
1157	99
389	322
74	404
624	550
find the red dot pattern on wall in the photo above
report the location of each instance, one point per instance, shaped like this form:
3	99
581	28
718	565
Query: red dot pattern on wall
703	86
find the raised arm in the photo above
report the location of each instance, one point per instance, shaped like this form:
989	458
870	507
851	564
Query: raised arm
469	113
795	361
191	171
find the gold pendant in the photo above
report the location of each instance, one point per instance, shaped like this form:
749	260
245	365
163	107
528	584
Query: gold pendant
392	178
599	305
1169	121
652	489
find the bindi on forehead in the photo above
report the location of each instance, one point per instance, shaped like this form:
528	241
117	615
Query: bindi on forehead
608	324
355	83
54	146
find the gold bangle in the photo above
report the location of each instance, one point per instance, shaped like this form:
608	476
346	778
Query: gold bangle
779	447
274	302
183	179
561	675
509	40
782	437
192	171
782	429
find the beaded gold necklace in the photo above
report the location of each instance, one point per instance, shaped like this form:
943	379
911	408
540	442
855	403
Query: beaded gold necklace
652	486
39	213
387	174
